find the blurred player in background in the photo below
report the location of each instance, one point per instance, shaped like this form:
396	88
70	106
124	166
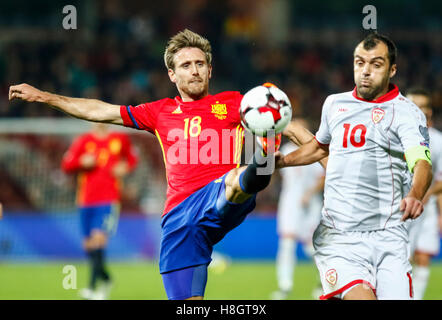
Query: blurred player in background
298	215
374	139
101	159
208	193
424	231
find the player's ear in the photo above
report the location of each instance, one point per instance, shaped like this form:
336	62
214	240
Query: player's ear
393	70
172	76
210	71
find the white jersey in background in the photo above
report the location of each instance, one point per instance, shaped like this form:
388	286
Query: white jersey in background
296	221
292	217
424	231
367	176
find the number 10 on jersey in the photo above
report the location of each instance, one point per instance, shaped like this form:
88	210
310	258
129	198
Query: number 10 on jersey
353	133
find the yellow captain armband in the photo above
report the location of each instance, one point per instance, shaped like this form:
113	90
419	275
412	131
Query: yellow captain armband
415	154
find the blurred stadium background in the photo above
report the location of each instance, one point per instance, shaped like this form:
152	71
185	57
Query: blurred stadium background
116	55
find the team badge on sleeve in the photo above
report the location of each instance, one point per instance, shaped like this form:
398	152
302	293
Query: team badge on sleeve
377	115
331	276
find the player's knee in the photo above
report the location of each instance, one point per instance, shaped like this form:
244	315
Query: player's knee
87	244
234	191
98	239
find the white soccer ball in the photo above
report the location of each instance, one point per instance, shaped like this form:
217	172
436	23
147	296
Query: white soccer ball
265	109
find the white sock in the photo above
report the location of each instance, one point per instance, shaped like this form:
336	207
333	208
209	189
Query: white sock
285	263
420	281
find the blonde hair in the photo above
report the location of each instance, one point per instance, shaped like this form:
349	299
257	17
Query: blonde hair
186	39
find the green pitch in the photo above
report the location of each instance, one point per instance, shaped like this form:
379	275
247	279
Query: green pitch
141	280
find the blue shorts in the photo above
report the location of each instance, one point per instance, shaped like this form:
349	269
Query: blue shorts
192	228
103	217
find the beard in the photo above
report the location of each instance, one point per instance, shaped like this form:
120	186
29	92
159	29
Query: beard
373	91
196	90
369	93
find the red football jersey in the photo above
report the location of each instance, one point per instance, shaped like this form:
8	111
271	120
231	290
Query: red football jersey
98	185
201	140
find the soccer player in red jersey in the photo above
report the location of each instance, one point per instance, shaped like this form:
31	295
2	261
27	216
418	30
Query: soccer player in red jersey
201	136
101	159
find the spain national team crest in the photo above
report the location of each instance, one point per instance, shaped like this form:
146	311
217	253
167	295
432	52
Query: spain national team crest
331	276
220	110
377	115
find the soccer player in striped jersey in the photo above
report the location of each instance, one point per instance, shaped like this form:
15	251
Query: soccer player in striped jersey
378	171
424	231
208	193
101	159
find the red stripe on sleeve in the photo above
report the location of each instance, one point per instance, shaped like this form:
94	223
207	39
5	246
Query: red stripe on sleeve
321	144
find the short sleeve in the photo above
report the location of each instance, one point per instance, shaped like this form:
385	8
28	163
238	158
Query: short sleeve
141	117
412	127
323	135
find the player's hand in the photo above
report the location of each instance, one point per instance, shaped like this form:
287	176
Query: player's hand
279	160
411	207
25	92
88	161
120	169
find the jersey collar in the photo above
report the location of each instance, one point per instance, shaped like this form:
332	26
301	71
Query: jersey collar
180	101
390	95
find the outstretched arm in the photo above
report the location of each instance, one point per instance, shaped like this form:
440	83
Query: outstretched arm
300	136
87	109
306	154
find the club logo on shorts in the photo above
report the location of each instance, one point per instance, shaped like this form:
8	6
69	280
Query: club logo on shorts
377	115
331	276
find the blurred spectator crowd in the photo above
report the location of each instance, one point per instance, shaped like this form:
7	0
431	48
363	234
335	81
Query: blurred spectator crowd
116	54
119	57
